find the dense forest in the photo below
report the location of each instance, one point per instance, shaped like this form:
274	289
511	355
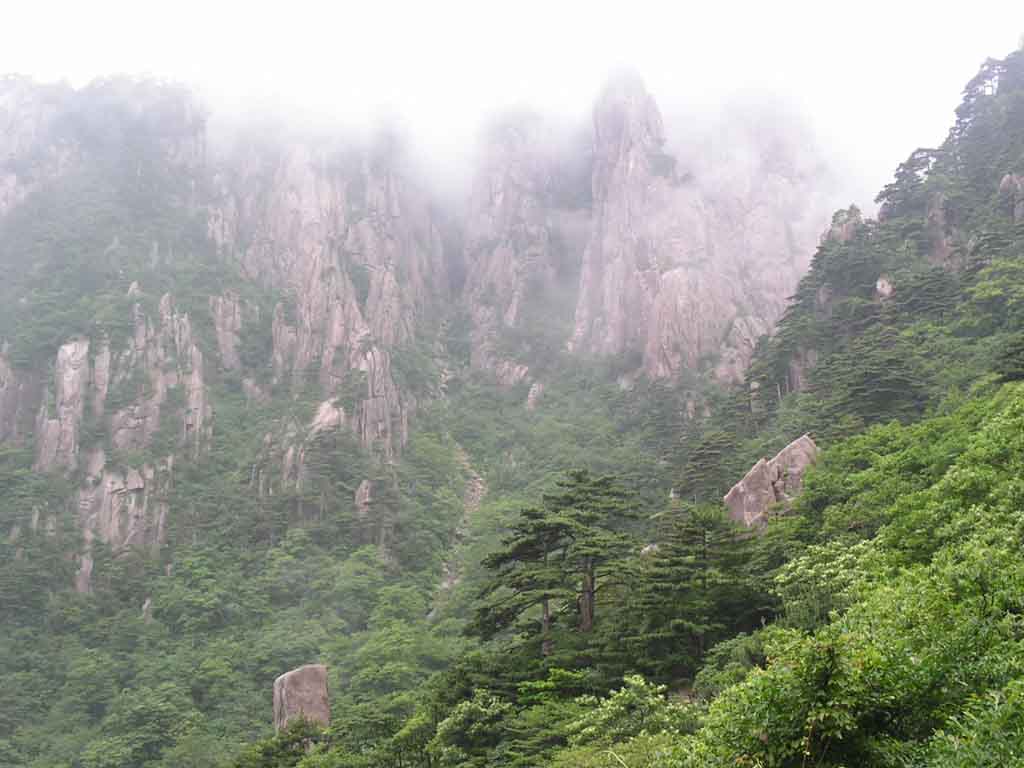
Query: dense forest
559	585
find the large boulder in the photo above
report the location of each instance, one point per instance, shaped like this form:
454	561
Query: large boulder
302	693
751	497
771	482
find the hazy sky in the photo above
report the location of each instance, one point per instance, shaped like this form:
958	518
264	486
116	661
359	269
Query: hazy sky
876	79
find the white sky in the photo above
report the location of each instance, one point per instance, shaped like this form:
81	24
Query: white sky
876	79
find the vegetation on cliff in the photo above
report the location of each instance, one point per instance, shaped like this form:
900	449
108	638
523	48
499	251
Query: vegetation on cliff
597	607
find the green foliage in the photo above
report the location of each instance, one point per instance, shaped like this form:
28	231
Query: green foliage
140	725
1010	365
729	662
283	750
875	624
467	736
914	646
555	559
823	581
636	708
989	732
689	591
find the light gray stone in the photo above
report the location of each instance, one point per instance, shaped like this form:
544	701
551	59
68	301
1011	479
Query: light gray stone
771	482
302	693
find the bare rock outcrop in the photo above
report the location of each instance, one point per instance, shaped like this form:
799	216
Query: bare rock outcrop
844	227
1011	193
508	239
687	268
57	427
771	482
162	358
942	236
20	394
122	507
329	417
523	224
355	246
153	382
302	693
533	397
226	311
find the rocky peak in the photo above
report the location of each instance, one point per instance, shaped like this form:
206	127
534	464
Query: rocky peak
845	224
508	230
57	427
526	224
628	133
105	404
686	269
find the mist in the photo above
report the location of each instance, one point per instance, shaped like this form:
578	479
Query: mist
870	81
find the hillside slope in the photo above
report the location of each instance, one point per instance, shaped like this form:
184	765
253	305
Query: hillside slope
241	376
875	619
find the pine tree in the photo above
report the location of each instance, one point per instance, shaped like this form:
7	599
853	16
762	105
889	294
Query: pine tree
1010	361
556	558
528	574
594	511
680	588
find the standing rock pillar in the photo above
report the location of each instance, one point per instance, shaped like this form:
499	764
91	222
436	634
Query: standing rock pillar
302	693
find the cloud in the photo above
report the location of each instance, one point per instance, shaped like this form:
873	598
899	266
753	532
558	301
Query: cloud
874	79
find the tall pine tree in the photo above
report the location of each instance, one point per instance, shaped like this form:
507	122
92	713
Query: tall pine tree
555	559
681	589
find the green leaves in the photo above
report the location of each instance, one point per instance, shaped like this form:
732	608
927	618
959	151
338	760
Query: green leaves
909	630
554	556
638	707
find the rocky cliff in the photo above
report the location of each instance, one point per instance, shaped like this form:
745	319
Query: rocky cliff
687	267
117	419
352	246
316	275
526	223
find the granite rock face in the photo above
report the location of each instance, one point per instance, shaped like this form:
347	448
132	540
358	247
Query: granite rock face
771	482
302	693
1011	192
687	268
355	245
845	225
941	234
57	430
508	237
227	311
525	224
20	393
154	382
607	237
124	508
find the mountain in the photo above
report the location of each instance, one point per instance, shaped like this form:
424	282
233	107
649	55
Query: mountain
267	399
144	270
